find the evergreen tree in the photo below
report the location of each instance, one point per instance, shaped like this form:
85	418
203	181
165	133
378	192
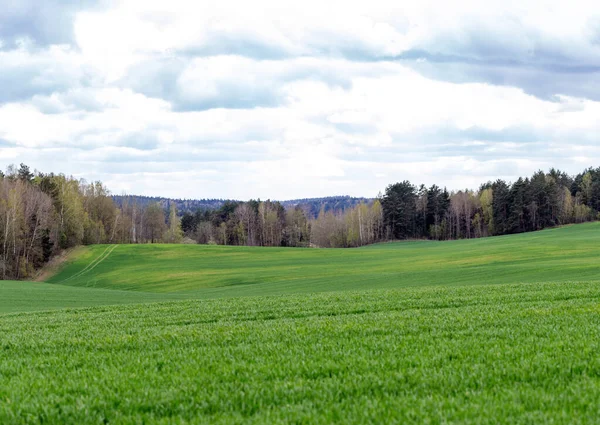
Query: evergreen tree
501	207
399	209
518	217
438	204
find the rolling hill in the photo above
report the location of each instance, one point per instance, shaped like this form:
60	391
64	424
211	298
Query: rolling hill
492	331
200	271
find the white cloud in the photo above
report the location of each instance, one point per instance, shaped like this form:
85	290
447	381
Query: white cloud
275	100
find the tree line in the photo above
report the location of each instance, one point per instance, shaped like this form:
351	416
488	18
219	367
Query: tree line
497	208
42	214
310	206
269	223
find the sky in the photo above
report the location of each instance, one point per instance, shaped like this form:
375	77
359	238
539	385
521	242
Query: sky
281	100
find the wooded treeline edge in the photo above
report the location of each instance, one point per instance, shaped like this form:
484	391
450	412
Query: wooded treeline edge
42	214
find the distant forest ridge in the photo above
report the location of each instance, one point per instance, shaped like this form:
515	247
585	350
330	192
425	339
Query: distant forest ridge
310	206
42	214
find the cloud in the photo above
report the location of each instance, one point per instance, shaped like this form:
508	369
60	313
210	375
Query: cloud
26	72
43	22
273	100
239	82
410	127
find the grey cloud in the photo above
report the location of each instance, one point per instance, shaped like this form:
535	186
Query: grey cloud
482	144
509	42
514	57
263	92
71	100
6	144
148	141
31	69
235	44
540	66
524	135
95	140
160	77
24	82
182	156
483	152
544	82
233	95
353	128
25	74
156	77
596	36
173	159
44	22
147	145
141	141
135	168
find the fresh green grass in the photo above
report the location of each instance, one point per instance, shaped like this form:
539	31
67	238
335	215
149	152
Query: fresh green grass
492	331
31	296
556	255
501	354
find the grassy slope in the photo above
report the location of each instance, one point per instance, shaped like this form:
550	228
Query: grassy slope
480	354
510	354
143	273
556	255
31	296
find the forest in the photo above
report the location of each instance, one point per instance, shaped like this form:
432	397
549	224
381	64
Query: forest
42	214
311	206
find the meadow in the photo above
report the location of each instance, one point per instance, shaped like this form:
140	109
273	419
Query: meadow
202	271
36	296
492	331
504	354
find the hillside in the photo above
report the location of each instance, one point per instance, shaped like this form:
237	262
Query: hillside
554	255
34	296
500	330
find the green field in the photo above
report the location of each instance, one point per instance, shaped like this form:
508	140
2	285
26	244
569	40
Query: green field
489	331
32	296
200	271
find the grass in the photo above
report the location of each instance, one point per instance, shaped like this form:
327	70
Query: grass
556	255
505	354
32	296
493	331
